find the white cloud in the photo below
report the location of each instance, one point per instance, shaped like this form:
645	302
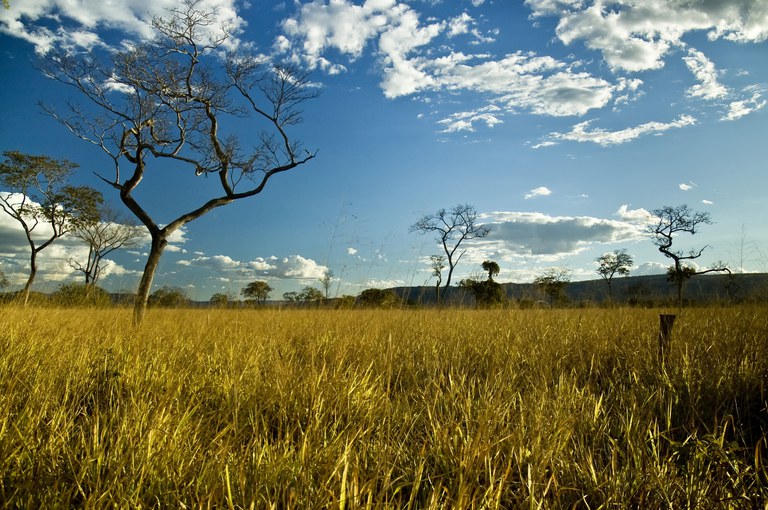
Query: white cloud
519	81
291	267
52	262
636	36
687	186
541	235
704	71
351	251
738	109
581	132
459	25
707	202
637	216
541	191
81	21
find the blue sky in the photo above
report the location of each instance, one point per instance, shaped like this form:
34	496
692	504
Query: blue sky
562	121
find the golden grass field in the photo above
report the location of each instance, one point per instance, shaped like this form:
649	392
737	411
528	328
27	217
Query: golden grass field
382	409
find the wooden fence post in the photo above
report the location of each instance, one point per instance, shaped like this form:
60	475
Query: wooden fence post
666	322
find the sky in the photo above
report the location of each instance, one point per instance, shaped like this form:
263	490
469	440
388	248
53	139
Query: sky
563	122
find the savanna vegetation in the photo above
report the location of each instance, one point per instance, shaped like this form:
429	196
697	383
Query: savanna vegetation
439	408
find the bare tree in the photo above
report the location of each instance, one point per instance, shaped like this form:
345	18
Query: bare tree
610	264
326	282
110	233
166	100
553	283
39	195
671	221
452	227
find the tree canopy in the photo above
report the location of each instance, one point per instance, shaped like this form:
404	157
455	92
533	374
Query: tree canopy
39	195
257	291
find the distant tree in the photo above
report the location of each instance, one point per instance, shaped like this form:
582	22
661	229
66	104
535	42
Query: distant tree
451	228
168	101
291	296
610	264
220	299
553	283
680	278
345	302
168	297
103	237
78	294
488	292
39	195
437	263
378	298
492	268
669	222
257	291
326	282
310	295
3	280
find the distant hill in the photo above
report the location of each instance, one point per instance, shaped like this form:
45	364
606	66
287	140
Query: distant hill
640	290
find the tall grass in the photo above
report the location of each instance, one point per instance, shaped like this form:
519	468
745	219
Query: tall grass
382	409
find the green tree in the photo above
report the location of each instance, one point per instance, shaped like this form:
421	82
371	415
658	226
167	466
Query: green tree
610	264
39	194
669	222
78	294
488	292
492	268
451	228
310	295
257	291
168	297
291	296
220	299
437	263
3	280
378	298
553	283
176	94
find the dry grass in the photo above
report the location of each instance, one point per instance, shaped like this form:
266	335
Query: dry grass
382	409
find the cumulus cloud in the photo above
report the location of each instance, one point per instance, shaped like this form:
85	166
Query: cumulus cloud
410	62
581	132
79	23
291	267
538	234
636	216
636	36
687	186
541	191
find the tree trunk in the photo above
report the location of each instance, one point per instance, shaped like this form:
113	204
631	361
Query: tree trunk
145	285
32	271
